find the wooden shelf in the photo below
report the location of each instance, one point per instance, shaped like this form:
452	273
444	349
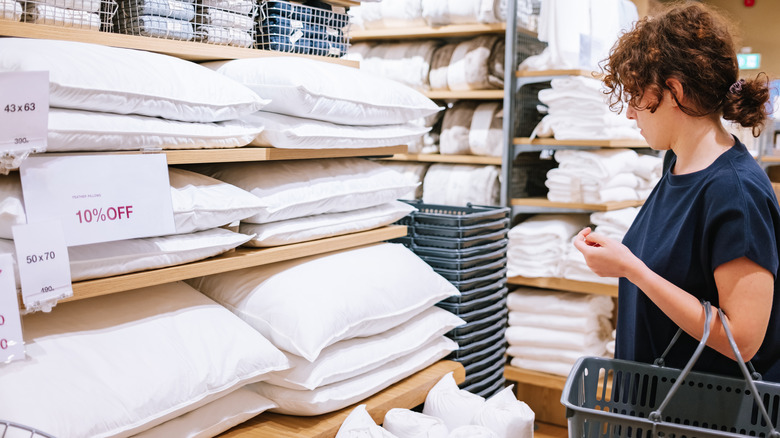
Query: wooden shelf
444	158
231	261
545	430
770	159
469	94
567	285
573	72
249	153
535	378
453	30
581	143
189	50
545	203
407	393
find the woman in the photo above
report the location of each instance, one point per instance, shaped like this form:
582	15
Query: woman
709	231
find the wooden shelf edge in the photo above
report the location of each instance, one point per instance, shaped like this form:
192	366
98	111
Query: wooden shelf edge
535	378
452	30
566	72
579	143
546	430
470	94
238	259
566	285
451	159
545	203
249	153
190	50
407	393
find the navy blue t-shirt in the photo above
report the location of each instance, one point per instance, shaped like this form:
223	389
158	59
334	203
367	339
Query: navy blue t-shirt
690	225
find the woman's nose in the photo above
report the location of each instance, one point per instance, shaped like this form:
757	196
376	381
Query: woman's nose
631	113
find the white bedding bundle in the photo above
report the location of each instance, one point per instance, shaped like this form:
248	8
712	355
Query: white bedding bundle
459	184
537	245
577	110
597	176
409	13
10	10
549	330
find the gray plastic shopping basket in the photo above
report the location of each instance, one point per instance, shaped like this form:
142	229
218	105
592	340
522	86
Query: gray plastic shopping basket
11	429
611	398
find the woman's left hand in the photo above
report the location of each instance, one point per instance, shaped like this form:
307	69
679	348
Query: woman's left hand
605	257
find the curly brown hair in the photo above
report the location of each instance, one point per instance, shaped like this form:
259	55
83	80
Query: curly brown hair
692	43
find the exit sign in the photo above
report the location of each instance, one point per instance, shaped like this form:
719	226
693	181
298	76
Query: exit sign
749	61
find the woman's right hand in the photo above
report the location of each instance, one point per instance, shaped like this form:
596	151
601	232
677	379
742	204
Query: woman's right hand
605	257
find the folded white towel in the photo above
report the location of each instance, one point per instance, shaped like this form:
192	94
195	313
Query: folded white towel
44	14
580	324
574	267
553	354
526	299
600	163
10	10
559	227
459	184
544	366
621	218
541	337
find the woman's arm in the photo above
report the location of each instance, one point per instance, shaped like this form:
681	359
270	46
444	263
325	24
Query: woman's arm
745	292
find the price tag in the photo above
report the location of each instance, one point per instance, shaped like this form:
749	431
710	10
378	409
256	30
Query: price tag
24	110
295	36
44	265
99	198
11	341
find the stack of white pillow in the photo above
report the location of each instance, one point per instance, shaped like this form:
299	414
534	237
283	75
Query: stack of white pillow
448	412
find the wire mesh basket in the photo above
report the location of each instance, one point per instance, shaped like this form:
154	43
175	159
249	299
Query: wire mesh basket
319	29
617	398
222	22
11	429
80	14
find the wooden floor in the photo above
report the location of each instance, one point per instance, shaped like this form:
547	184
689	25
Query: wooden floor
544	430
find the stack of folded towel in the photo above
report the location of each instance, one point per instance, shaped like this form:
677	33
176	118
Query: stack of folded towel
549	330
460	184
10	10
600	176
537	245
613	224
577	110
82	14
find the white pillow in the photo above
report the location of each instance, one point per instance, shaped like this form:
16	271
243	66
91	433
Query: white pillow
298	188
326	91
199	202
122	363
505	415
351	357
453	405
472	431
325	225
288	132
214	418
100	78
307	304
106	259
74	130
406	423
359	424
342	394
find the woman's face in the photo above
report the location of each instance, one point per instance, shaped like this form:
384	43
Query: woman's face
656	127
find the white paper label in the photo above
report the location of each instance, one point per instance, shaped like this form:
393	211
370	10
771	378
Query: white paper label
296	36
295	24
339	9
99	198
11	340
24	110
44	265
331	32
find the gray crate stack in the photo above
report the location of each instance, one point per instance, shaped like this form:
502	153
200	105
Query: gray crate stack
468	247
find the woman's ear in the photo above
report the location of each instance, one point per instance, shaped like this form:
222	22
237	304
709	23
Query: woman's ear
676	88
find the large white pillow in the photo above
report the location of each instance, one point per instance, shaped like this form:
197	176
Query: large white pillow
96	77
453	405
122	363
288	132
199	202
75	130
339	395
298	188
305	305
325	225
213	418
106	259
326	91
351	357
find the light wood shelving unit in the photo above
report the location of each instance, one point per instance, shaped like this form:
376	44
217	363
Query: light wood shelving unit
566	285
469	94
552	143
574	206
449	31
408	393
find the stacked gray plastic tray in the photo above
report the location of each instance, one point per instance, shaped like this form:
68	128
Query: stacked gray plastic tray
468	247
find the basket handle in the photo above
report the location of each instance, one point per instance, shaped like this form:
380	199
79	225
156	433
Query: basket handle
655	416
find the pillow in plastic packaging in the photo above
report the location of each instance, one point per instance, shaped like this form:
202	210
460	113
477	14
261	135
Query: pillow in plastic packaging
507	416
453	405
405	423
359	424
472	431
